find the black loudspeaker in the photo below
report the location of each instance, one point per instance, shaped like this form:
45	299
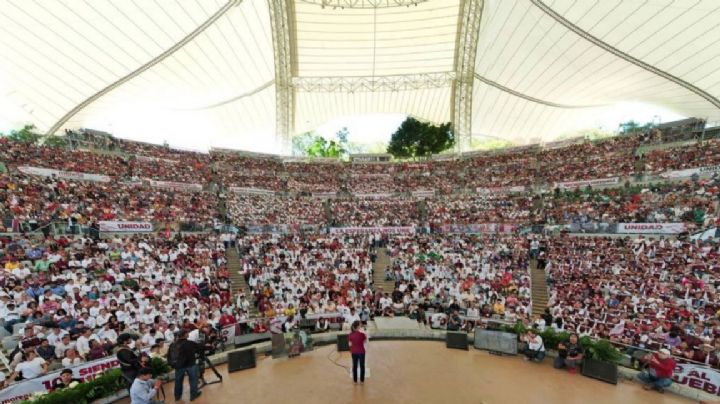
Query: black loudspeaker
605	371
342	343
457	340
240	360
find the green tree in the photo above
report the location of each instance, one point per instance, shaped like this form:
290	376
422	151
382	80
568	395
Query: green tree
54	141
301	142
415	139
25	135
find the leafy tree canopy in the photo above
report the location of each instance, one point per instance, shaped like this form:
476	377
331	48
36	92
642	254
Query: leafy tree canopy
415	139
25	135
311	144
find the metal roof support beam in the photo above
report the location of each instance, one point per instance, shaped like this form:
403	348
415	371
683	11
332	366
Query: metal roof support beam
352	84
465	51
283	35
532	99
157	59
365	3
622	55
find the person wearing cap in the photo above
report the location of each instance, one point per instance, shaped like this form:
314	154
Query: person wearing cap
66	379
144	389
659	374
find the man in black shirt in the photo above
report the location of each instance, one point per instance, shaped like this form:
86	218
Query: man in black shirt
182	356
128	358
570	354
66	378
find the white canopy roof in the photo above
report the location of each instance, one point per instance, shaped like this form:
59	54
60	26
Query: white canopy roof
239	71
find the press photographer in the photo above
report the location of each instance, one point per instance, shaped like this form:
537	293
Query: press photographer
182	356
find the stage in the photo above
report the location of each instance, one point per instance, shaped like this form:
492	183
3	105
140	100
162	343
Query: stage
414	372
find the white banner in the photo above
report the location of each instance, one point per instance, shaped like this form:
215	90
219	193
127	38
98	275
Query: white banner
324	195
125	227
691	171
373	196
85	372
423	193
651	228
372	230
181	186
478	228
697	377
70	175
582	183
500	190
254	191
147	158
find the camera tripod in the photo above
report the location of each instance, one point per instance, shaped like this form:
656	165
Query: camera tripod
204	363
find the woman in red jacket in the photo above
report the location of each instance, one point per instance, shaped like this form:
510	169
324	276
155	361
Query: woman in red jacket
356	340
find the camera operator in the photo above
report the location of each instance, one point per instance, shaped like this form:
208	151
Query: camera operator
182	356
209	339
128	358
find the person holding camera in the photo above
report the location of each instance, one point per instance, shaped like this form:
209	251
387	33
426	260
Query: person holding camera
182	356
144	389
659	374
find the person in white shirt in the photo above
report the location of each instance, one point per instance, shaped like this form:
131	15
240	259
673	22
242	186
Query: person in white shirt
83	342
71	358
32	367
534	347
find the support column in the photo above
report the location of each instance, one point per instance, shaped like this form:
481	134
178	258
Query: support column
283	35
465	50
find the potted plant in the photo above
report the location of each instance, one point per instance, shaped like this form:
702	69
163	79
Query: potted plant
600	360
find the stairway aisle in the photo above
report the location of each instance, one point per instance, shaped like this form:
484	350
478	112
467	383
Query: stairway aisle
237	279
539	288
381	262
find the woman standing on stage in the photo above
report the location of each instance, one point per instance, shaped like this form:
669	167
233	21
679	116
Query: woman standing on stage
356	340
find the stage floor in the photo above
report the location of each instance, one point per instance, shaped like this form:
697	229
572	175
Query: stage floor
414	372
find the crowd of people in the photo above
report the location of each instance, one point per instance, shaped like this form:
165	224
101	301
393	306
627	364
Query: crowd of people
646	293
43	200
478	276
67	300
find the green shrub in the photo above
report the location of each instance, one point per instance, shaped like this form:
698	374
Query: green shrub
104	385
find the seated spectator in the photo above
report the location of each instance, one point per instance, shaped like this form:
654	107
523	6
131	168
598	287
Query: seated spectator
534	346
32	367
570	354
659	373
71	358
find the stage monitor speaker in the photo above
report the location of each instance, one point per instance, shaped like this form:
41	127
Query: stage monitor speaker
240	360
496	341
342	343
456	340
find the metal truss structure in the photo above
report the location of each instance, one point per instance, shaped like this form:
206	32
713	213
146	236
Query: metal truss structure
399	82
281	24
465	52
365	3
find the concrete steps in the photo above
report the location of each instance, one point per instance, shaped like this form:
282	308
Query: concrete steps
539	288
381	262
237	280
